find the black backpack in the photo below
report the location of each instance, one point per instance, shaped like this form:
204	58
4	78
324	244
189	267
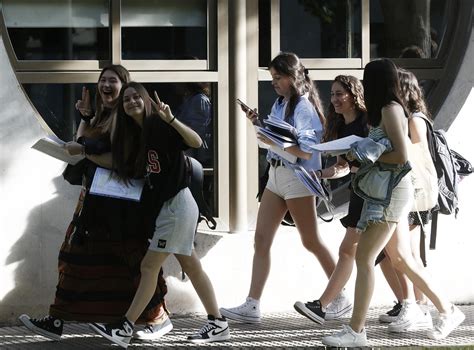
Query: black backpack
450	167
195	180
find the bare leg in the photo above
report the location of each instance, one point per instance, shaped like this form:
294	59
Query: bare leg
343	270
393	281
416	236
371	243
271	212
303	211
202	285
399	251
149	269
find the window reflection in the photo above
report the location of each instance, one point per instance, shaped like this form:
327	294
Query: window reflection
321	29
58	30
164	29
407	28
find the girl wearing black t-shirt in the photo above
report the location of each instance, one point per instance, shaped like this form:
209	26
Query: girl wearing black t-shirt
346	117
148	141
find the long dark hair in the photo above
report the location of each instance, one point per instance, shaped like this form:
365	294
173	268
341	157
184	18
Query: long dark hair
128	137
103	120
381	87
411	92
287	63
335	121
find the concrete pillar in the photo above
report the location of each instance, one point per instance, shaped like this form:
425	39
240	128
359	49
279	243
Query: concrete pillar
237	120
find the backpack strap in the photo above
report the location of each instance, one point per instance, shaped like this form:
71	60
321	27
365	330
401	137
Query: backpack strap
195	180
434	229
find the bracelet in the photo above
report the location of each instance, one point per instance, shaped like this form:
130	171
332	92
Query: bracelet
320	173
172	120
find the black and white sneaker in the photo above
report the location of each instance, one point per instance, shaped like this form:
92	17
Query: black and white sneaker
47	326
216	329
312	309
119	333
391	315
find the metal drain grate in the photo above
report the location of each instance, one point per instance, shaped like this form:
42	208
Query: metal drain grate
277	330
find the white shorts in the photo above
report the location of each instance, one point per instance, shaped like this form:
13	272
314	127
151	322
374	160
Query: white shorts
283	182
176	225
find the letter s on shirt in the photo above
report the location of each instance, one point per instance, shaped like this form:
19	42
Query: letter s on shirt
153	162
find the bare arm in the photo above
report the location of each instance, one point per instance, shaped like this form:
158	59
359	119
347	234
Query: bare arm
418	130
190	137
393	122
336	171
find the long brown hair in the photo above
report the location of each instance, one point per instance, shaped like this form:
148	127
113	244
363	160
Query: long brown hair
128	139
411	92
103	120
287	63
335	121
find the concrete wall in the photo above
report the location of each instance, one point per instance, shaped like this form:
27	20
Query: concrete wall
36	206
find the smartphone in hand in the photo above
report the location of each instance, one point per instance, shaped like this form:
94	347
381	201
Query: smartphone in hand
245	108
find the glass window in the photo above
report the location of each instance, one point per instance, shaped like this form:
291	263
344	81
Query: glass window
58	30
55	104
164	29
321	29
407	28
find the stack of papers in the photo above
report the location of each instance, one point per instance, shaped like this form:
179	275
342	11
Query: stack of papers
282	134
337	147
280	127
105	183
312	183
54	147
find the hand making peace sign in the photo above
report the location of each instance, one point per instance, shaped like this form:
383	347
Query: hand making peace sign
84	104
162	108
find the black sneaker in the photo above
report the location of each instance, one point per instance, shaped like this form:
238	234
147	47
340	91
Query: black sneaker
312	309
47	326
391	315
216	329
119	333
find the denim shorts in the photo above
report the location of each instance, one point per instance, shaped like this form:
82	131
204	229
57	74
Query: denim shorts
399	207
283	182
176	225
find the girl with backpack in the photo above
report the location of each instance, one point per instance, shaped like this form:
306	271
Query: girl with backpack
383	222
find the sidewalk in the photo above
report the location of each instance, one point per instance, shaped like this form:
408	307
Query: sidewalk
279	330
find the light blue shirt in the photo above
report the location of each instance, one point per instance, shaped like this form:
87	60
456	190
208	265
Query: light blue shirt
306	121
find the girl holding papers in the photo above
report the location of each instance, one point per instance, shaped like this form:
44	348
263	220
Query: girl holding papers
347	116
149	142
298	105
100	257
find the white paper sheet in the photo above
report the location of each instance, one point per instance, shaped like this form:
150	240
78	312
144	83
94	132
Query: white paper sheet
106	185
54	147
339	146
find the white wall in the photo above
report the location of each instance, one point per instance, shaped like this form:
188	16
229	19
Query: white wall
36	206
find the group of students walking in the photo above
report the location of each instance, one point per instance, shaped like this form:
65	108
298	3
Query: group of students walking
138	136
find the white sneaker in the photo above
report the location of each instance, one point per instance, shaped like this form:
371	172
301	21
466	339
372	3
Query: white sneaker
340	306
214	330
346	338
155	331
446	323
248	312
411	318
